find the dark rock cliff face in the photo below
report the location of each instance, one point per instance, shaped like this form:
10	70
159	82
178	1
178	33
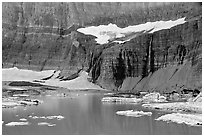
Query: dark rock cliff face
43	36
165	60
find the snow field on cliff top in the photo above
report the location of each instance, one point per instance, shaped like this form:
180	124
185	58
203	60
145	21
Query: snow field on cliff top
112	31
15	74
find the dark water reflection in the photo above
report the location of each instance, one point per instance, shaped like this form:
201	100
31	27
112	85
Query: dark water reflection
86	114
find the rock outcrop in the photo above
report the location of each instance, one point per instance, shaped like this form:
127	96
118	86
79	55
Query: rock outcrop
42	36
166	60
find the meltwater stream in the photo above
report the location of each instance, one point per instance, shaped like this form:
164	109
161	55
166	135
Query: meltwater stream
84	113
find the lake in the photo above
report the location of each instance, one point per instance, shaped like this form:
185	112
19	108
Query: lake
84	113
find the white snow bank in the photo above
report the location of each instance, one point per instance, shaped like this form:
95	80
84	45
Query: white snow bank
17	124
15	74
121	100
56	74
112	31
134	113
189	119
80	82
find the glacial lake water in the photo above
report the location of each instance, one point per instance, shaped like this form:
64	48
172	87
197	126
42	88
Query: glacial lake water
86	114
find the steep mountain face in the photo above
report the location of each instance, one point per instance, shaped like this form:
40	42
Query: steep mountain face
160	61
43	36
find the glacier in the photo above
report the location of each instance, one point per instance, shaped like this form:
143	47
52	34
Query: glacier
104	33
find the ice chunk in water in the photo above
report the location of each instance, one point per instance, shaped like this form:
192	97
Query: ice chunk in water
189	119
23	119
46	124
134	113
17	124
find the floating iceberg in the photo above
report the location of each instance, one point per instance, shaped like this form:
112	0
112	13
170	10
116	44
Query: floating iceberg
154	97
176	106
151	97
46	124
14	101
133	113
14	88
189	119
30	102
17	124
23	119
121	100
21	95
10	104
59	117
104	33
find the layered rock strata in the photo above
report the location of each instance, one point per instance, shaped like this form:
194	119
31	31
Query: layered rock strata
42	36
165	60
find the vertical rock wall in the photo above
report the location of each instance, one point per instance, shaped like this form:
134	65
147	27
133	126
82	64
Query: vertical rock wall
166	59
